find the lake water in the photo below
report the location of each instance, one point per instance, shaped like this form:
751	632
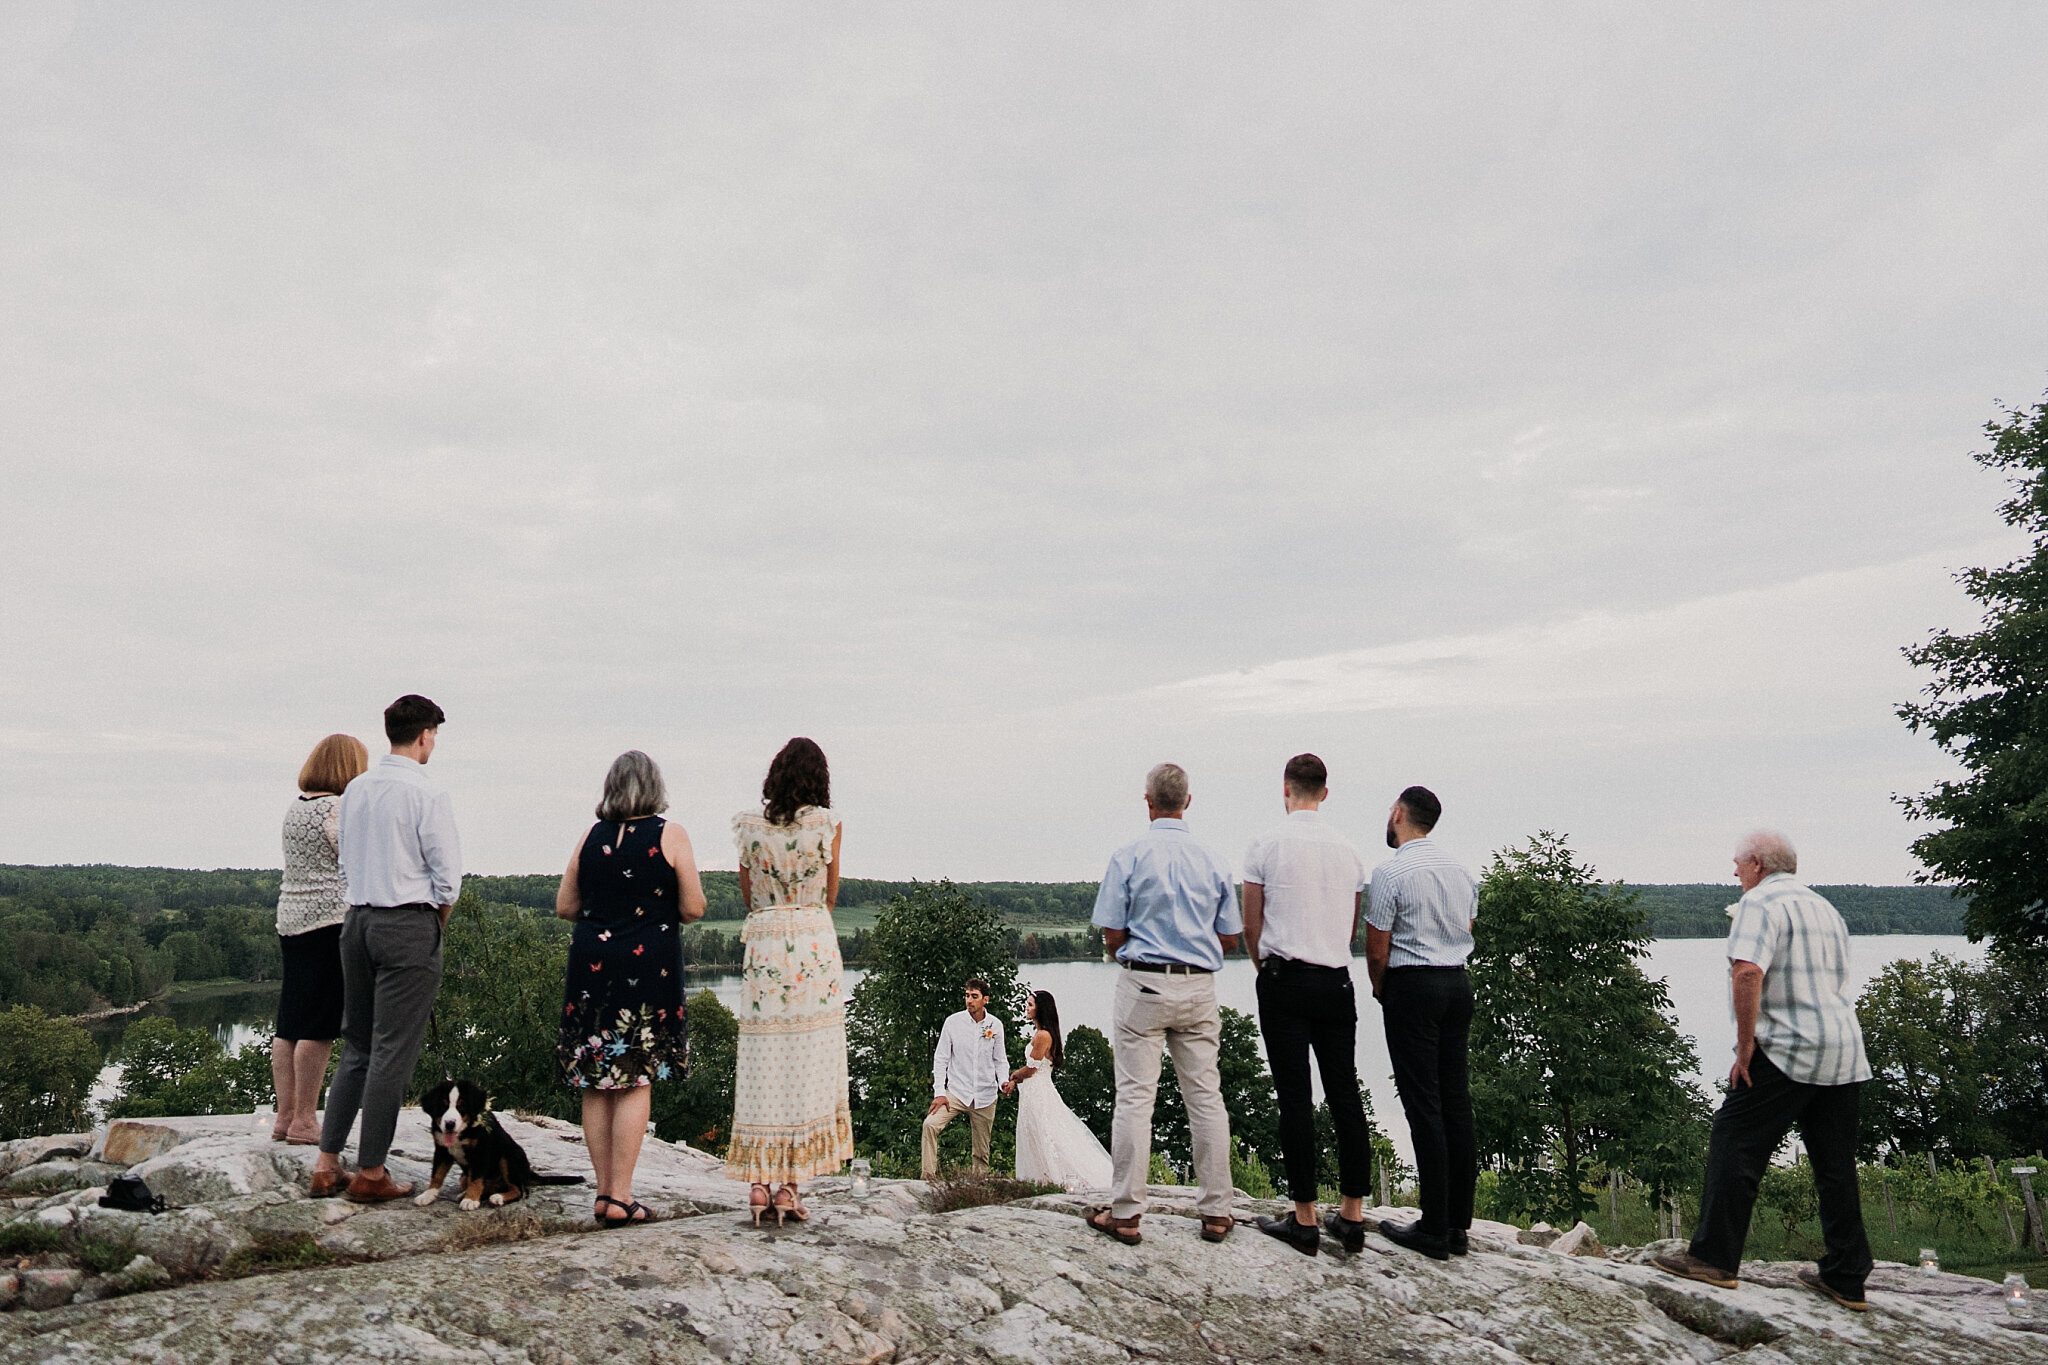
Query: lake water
1694	970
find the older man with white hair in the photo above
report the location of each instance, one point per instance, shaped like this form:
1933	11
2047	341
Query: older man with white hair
1798	1060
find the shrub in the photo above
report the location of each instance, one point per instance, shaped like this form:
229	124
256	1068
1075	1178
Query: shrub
967	1190
47	1067
26	1237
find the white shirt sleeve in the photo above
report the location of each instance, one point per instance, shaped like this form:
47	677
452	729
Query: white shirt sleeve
942	1059
442	849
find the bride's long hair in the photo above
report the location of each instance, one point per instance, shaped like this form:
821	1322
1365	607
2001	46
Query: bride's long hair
1049	1020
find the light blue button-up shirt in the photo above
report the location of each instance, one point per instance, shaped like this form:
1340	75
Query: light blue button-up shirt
398	840
1172	896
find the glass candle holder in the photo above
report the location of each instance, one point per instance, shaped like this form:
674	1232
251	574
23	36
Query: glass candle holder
863	1177
1930	1261
2016	1302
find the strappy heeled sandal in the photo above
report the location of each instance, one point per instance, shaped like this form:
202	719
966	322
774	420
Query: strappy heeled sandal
759	1200
793	1209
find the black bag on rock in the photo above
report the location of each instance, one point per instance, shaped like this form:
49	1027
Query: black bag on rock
129	1193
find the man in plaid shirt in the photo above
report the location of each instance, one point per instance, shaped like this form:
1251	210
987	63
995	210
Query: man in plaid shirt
1798	1059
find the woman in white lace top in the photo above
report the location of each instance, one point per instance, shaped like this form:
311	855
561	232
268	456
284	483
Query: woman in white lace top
311	904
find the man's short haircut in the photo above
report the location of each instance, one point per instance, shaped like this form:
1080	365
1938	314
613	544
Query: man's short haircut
975	983
406	719
632	789
1166	786
1306	776
335	762
1772	851
1424	810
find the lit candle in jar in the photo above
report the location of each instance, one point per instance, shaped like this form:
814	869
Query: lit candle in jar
863	1170
1930	1263
2016	1296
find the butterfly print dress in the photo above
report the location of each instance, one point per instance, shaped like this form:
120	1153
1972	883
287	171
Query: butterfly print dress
622	1011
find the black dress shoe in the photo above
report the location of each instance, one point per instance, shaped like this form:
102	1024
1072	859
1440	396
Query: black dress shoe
1461	1242
1345	1230
1304	1238
1433	1245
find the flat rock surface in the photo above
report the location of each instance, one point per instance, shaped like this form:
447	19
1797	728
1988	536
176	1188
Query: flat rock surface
866	1281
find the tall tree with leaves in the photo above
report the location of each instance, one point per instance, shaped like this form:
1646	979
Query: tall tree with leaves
926	943
1988	706
1576	1057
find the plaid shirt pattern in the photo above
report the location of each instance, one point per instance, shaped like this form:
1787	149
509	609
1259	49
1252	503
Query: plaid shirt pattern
1807	1022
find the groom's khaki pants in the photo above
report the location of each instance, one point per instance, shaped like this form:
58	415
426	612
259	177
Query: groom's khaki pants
1178	1012
981	1125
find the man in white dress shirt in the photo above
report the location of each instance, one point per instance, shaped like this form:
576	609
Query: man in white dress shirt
402	864
1304	889
968	1071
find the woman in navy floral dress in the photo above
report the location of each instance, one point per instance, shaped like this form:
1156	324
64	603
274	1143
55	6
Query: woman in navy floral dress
631	885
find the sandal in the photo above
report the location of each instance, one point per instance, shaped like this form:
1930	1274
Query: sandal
636	1212
1216	1229
1125	1230
792	1209
759	1200
597	1211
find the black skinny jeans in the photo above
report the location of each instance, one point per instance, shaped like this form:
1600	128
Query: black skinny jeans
1428	1014
1748	1127
1301	1007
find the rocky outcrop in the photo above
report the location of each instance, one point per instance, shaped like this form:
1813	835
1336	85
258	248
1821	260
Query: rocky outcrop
879	1279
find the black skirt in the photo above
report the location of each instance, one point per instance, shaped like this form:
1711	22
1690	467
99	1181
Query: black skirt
309	1005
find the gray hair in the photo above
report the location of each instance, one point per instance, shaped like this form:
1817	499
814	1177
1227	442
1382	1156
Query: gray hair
632	788
1166	787
1772	851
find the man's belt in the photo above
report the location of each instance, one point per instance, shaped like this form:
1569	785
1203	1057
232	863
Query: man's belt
1174	968
411	905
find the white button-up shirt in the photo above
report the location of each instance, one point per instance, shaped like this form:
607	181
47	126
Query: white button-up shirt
1806	1023
1312	876
971	1063
398	840
1427	900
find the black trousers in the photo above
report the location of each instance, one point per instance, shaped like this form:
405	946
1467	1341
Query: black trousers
1750	1124
1305	1007
1428	1013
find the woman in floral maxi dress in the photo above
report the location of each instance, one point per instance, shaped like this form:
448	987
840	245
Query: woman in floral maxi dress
790	1115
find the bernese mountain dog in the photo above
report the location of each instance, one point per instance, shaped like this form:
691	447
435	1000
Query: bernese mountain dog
495	1170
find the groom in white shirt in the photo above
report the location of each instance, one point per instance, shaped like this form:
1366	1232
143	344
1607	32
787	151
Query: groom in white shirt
968	1072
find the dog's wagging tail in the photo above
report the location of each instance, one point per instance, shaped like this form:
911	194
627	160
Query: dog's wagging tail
495	1170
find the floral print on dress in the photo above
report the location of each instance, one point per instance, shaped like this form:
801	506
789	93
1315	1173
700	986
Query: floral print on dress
640	1045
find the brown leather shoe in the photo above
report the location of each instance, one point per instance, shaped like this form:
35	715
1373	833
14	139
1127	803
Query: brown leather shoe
375	1189
1687	1266
1855	1303
327	1184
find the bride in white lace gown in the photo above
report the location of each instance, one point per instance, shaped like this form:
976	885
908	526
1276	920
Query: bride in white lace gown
1053	1147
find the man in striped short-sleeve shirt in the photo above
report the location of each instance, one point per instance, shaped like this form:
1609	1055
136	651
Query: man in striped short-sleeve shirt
1798	1059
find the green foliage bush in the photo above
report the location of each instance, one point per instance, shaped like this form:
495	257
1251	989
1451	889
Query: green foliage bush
170	1070
1087	1079
1576	1058
47	1069
698	1109
27	1237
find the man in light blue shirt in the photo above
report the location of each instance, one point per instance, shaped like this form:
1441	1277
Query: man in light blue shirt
402	863
1168	911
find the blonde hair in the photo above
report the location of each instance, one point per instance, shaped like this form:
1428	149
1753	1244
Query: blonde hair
335	762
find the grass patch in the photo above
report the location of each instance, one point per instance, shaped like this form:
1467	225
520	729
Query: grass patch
276	1251
26	1237
103	1258
967	1190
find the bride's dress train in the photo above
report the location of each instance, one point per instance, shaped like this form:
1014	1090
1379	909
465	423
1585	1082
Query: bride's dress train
1054	1147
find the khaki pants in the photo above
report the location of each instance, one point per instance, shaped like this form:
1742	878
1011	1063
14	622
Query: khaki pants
1155	1009
981	1125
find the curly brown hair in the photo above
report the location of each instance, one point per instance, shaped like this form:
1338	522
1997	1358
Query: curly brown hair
797	778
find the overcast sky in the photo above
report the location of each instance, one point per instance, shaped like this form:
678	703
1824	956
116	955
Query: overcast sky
1566	408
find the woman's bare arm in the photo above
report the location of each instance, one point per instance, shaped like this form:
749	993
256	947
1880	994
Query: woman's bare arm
675	846
569	896
832	872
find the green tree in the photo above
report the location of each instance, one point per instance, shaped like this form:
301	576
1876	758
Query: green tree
1576	1059
500	1005
1988	707
1087	1079
698	1109
170	1070
925	943
1924	1031
47	1068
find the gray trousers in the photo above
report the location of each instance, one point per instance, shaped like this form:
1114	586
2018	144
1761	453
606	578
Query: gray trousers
1155	1011
390	974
